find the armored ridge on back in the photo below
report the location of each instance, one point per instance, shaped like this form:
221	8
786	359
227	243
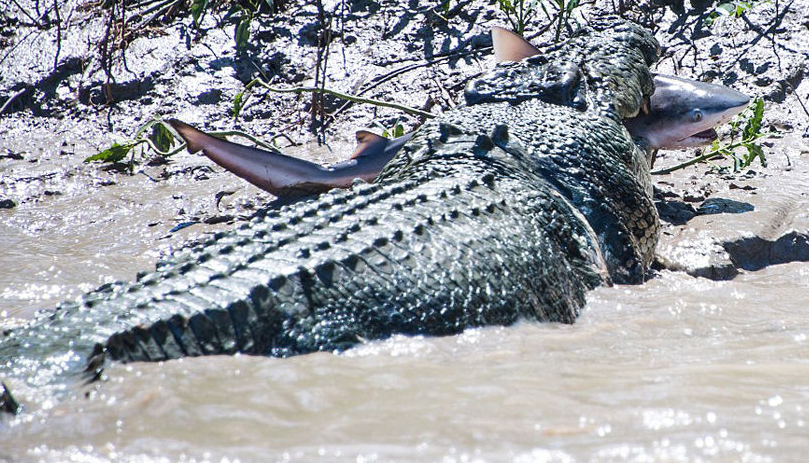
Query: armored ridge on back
511	206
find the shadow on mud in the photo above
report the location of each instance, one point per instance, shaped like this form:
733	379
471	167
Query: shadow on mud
678	212
755	253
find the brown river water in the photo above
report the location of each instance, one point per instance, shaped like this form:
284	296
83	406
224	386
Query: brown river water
678	369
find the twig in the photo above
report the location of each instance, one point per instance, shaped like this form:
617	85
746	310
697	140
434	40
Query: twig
435	57
794	92
344	96
165	154
381	79
153	8
11	98
23	10
58	35
161	9
8	53
218	134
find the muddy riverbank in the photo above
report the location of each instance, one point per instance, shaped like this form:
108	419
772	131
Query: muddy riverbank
705	362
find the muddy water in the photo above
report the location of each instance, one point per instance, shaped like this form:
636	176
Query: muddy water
678	369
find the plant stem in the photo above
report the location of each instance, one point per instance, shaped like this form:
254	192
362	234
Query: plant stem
344	96
696	160
12	98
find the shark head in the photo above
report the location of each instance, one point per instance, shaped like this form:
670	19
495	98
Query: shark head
683	113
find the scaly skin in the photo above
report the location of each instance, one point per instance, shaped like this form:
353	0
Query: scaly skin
509	207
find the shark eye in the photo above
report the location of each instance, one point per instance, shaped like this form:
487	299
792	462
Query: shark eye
697	115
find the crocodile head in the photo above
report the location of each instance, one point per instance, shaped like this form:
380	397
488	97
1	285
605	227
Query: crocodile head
683	113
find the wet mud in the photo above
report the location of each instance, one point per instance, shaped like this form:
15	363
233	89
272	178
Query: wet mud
706	361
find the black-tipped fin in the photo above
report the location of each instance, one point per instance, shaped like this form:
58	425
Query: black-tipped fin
7	402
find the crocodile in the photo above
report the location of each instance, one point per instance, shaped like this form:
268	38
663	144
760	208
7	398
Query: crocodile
511	206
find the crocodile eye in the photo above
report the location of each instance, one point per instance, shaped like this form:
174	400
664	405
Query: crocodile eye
697	115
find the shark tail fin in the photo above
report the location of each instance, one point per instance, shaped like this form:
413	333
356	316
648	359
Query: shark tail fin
194	138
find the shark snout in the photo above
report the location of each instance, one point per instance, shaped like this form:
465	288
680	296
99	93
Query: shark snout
729	102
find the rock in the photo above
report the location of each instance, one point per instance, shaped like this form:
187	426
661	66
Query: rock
218	219
723	206
7	204
8	154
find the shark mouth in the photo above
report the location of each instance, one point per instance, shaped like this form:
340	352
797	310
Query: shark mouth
709	134
703	137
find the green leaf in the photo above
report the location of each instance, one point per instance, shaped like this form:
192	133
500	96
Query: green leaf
741	7
161	137
237	104
242	34
197	9
725	9
754	151
753	126
761	157
112	154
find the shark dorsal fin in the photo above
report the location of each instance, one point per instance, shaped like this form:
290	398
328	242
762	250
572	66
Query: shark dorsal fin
368	143
509	46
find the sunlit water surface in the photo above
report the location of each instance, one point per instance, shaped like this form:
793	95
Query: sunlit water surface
677	369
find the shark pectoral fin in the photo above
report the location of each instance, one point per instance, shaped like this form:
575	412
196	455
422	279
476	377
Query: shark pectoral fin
370	156
369	144
509	46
